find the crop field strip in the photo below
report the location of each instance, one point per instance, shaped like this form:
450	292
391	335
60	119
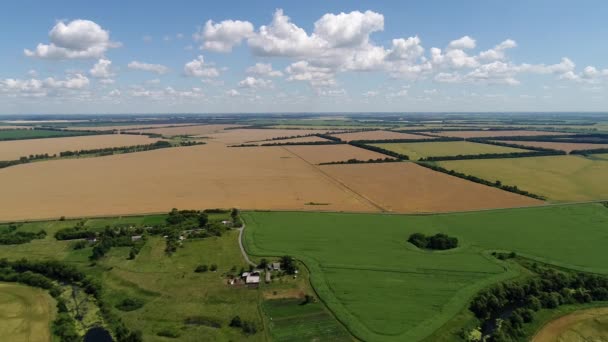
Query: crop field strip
388	313
379	135
317	154
563	146
444	148
240	136
25	313
14	149
491	133
559	178
20	134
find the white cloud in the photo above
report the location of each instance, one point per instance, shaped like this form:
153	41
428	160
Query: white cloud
370	93
317	76
463	43
198	68
155	68
223	36
233	92
262	69
38	88
348	29
252	82
168	94
406	49
114	93
498	52
76	39
101	69
107	81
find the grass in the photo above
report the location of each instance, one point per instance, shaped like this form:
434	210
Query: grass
383	288
293	321
445	148
19	134
26	313
588	327
559	178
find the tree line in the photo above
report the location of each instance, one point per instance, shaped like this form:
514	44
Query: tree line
504	308
358	161
590	138
495	155
379	150
497	184
10	236
397	141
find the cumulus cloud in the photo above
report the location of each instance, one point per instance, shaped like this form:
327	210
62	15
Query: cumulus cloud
101	69
348	29
223	36
198	68
262	69
498	52
76	39
304	71
167	94
463	43
155	68
252	82
38	88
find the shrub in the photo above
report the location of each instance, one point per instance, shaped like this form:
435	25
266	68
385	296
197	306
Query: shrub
130	304
438	241
201	268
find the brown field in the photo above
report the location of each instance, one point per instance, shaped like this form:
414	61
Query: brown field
124	127
14	149
199	130
316	154
563	146
239	136
204	176
410	188
583	325
485	134
378	135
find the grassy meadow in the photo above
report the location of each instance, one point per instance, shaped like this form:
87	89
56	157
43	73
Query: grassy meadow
559	178
445	148
383	288
25	313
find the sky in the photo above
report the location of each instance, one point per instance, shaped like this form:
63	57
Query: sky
84	57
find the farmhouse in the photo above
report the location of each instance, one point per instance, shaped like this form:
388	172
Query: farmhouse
135	238
253	278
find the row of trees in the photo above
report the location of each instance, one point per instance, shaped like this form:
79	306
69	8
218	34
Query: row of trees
590	138
358	161
380	150
10	235
495	155
397	141
497	184
514	303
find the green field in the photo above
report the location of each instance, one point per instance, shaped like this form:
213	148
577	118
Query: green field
445	148
25	313
383	288
290	320
559	178
20	134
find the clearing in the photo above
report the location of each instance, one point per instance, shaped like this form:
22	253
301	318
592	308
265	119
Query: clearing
378	135
199	176
316	154
26	313
559	178
410	188
583	325
383	288
445	148
486	134
10	150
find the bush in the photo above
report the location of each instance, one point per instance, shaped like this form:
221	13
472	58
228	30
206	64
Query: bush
201	269
130	304
171	333
438	241
213	268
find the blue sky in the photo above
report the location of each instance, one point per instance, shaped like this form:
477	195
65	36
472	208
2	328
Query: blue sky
241	56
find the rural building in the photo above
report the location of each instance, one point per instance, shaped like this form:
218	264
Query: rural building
276	266
135	237
267	277
227	223
253	278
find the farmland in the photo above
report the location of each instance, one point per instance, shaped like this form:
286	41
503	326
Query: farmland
409	188
17	134
486	134
209	175
191	130
562	146
416	292
25	313
330	153
15	149
582	325
559	178
445	148
378	135
239	136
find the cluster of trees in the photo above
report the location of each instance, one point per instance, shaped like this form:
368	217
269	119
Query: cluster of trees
500	143
438	241
514	303
121	149
358	161
12	237
380	150
46	274
25	159
329	137
130	304
79	231
496	155
288	264
205	268
248	327
496	184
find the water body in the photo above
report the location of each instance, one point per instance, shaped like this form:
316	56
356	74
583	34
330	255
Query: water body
98	334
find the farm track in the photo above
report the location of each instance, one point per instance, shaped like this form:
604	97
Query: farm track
339	183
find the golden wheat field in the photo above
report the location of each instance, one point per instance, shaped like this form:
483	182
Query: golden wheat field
125	127
14	149
378	135
240	136
203	176
196	130
298	140
485	134
316	154
410	188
